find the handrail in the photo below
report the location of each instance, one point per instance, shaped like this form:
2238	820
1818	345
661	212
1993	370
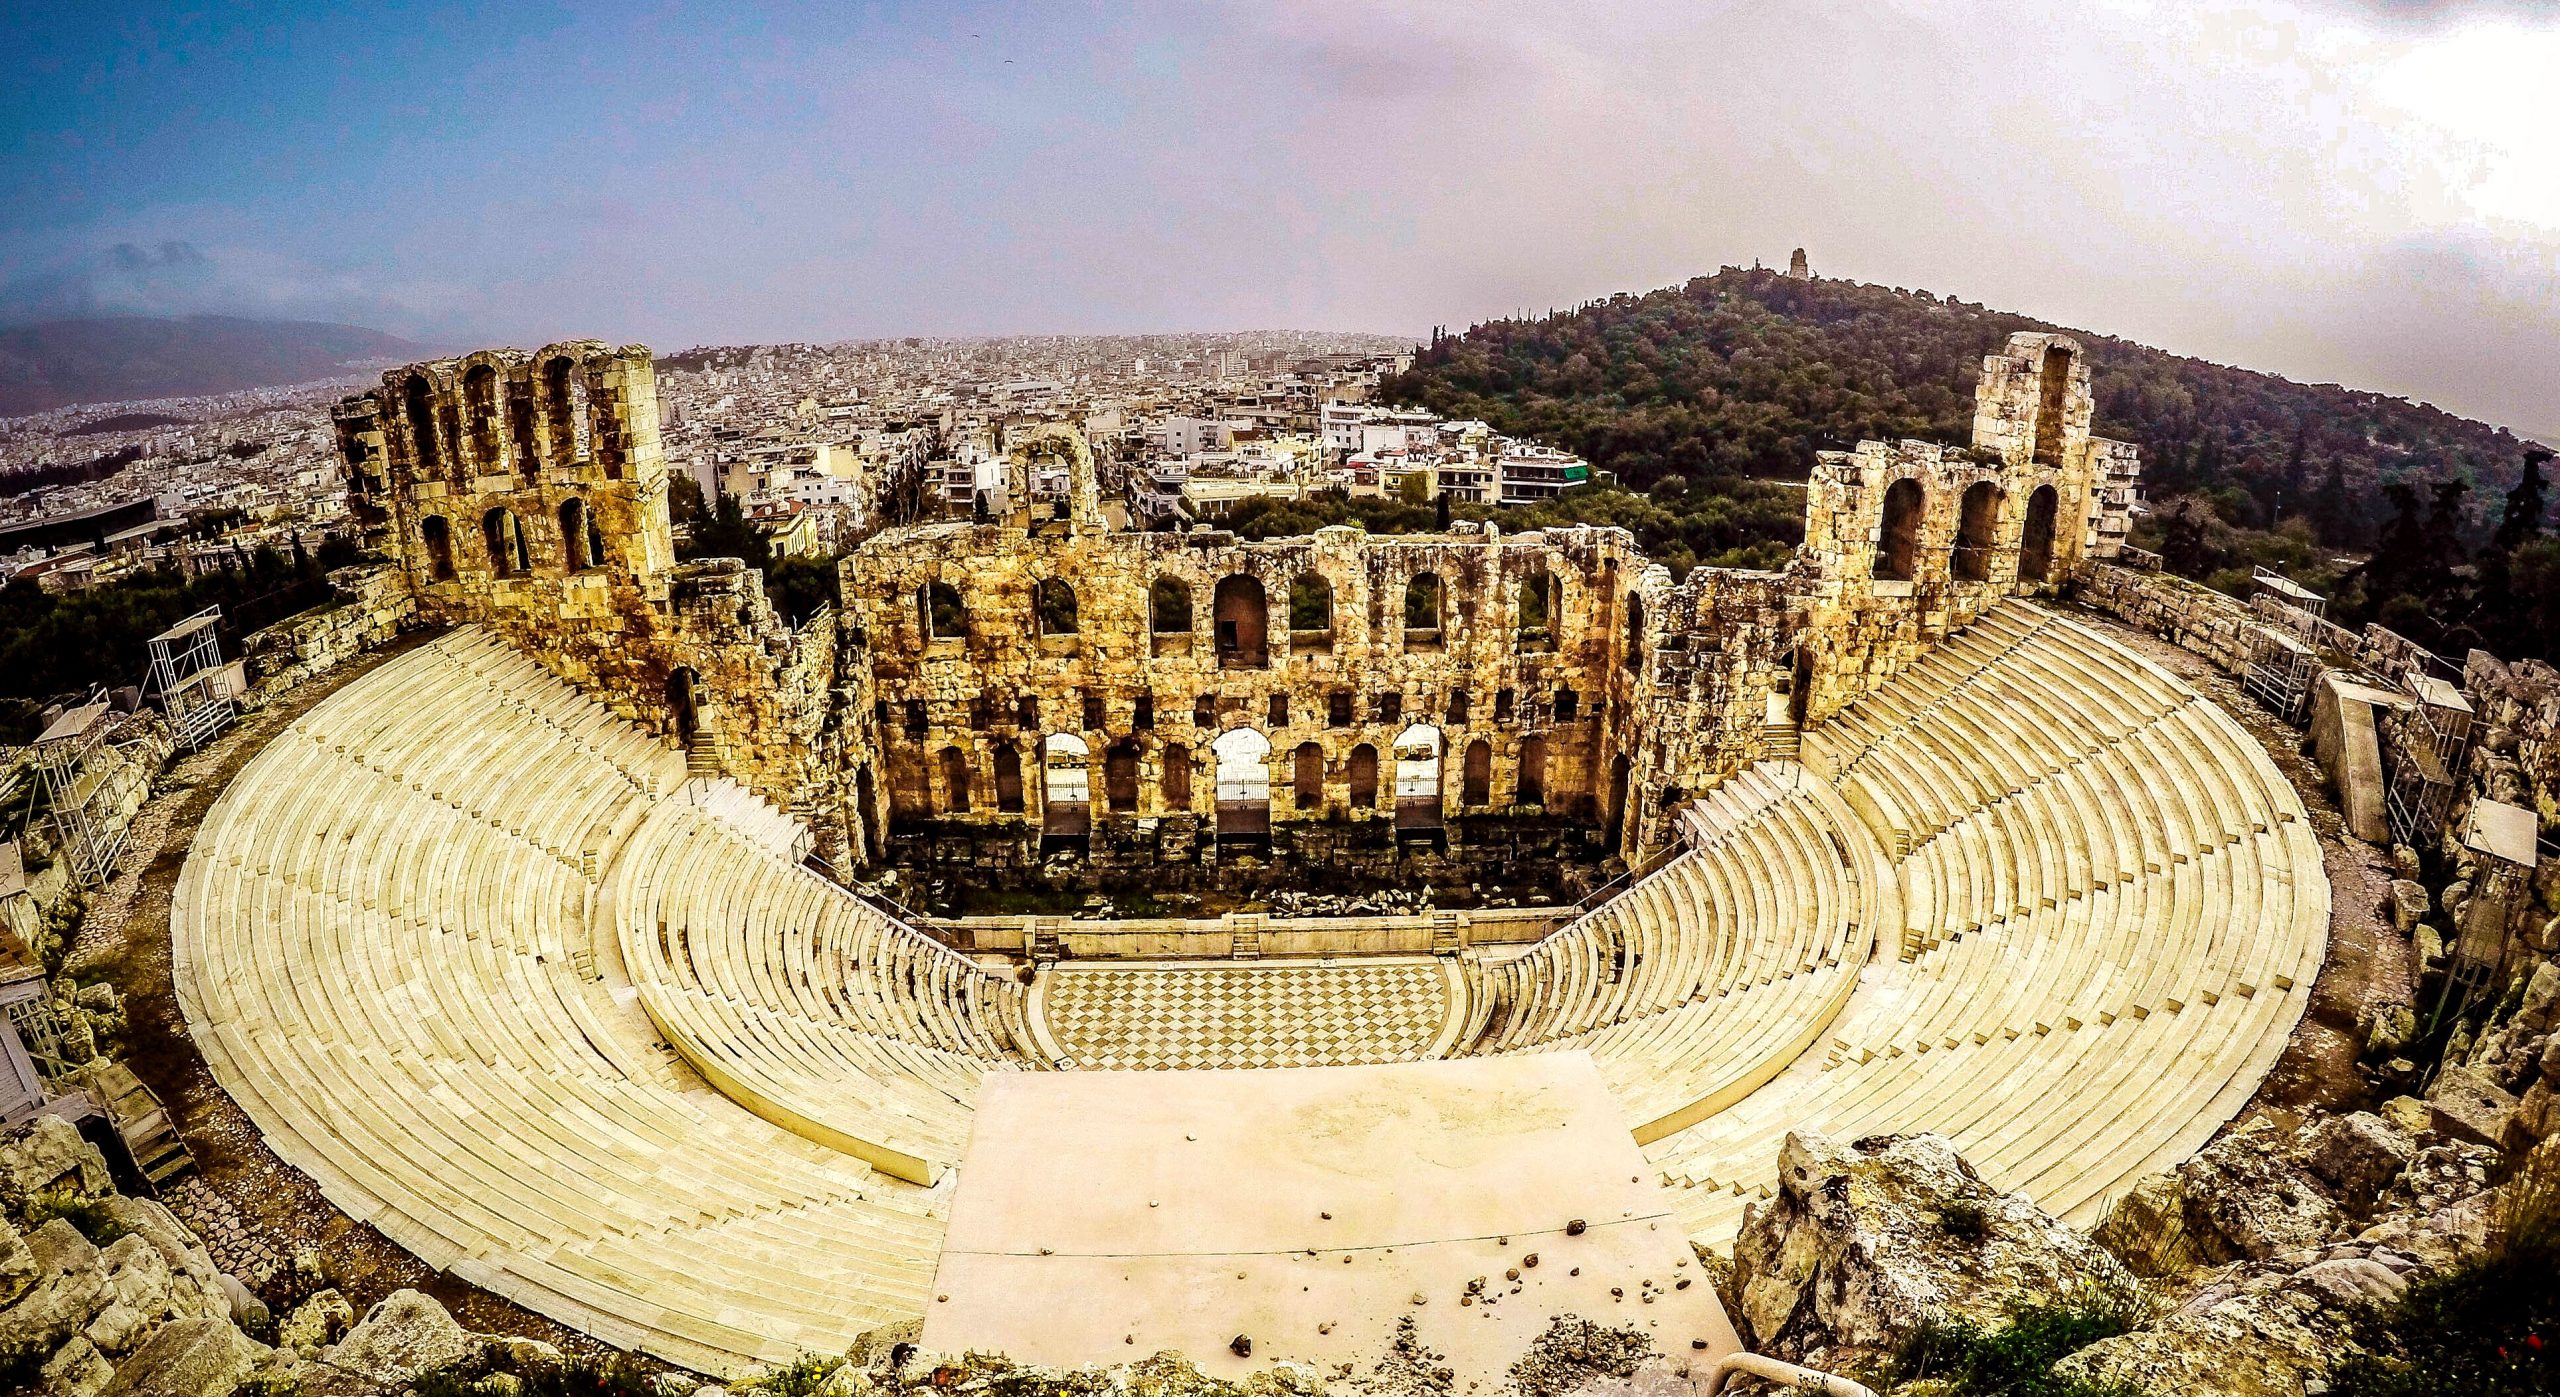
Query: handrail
1780	1370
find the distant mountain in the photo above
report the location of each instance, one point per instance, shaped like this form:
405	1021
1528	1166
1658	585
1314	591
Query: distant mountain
59	363
1748	373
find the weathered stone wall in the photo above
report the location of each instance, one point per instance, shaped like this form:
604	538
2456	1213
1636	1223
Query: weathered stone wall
379	606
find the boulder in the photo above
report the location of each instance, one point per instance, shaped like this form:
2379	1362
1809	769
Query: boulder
48	1156
2245	1197
2465	1105
316	1323
2409	904
2147	1228
1866	1242
2406	1112
188	1358
70	1287
77	1369
2540	1009
2357	1156
2253	1331
407	1334
17	1264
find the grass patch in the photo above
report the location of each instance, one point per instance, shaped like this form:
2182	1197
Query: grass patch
489	1373
2016	1358
90	1215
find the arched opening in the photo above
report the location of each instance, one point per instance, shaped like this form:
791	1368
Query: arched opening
508	556
1176	783
1244	784
955	780
1417	751
1635	632
1362	777
866	808
480	417
1475	780
1310	613
2035	545
1422	614
420	409
1066	787
684	703
1800	689
2053	397
1243	620
520	433
1531	786
1535	610
1616	831
1977	532
939	613
581	539
1898	541
1120	775
1308	787
560	409
436	534
1008	765
1169	607
1053	609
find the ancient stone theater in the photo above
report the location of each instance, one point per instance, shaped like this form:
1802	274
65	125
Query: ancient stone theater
561	946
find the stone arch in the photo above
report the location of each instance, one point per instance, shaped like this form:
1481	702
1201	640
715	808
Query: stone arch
1977	533
418	404
1008	772
1244	783
581	537
1361	773
1242	617
480	416
1423	607
2035	543
954	765
1310	612
1616	831
1120	775
1898	534
563	408
1418	751
1053	608
940	615
1529	787
1308	784
866	807
504	533
435	534
1475	780
1635	632
1169	606
520	429
1066	785
1175	784
1533	611
2053	400
684	702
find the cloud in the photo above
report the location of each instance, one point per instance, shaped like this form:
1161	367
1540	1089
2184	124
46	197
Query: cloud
177	276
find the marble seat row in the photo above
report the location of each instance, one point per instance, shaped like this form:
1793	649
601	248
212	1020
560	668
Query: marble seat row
383	945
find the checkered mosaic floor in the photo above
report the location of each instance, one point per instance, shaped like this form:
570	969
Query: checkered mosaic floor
1263	1014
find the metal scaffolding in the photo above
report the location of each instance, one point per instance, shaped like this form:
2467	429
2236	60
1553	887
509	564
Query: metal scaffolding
2427	763
2284	652
187	673
86	835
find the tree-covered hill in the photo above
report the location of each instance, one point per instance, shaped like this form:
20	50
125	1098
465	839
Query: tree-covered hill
1748	373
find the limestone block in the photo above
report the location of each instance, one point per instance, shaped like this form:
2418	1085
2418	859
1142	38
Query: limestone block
188	1358
316	1323
2245	1197
2357	1156
407	1334
48	1155
77	1369
2465	1105
2409	904
70	1287
17	1263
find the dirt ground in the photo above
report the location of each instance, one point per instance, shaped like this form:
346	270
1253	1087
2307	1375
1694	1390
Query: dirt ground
2368	964
255	1213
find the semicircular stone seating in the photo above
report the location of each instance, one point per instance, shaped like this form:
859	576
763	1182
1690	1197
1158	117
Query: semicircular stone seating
475	955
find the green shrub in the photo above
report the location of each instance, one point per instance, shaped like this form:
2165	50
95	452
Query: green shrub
801	1377
485	1373
2487	1329
90	1215
2016	1358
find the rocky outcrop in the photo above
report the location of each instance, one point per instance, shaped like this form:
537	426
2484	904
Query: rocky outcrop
404	1336
2256	1329
1868	1241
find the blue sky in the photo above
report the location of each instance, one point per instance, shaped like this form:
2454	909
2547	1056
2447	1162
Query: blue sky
2364	192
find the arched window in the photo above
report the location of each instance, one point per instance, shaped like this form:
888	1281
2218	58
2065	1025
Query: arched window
1476	778
866	808
1531	788
939	613
1169	607
1053	608
520	432
1535	610
1066	785
1363	776
1309	774
420	409
1244	782
1898	542
1977	532
437	535
2035	545
684	704
1418	777
1243	619
1120	775
508	556
1459	707
480	417
1422	609
1177	778
955	780
581	540
1310	612
1008	764
560	409
2052	399
1568	706
1615	833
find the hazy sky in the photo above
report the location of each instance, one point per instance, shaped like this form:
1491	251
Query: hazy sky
2367	192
